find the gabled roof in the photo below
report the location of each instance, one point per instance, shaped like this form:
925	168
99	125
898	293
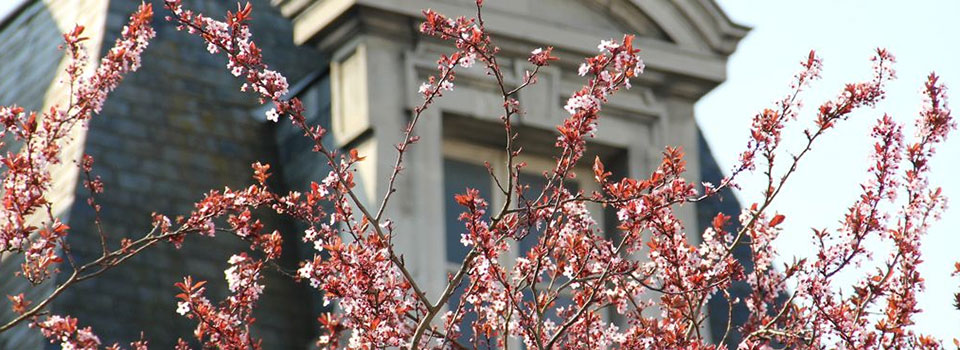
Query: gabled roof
694	23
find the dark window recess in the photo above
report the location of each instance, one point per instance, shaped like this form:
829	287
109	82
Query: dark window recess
469	317
457	177
537	182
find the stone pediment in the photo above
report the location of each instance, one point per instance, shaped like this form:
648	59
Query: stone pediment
597	17
698	26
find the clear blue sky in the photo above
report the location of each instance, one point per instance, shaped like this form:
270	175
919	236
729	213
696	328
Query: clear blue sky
924	37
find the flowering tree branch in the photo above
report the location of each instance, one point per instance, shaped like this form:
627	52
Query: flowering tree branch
561	292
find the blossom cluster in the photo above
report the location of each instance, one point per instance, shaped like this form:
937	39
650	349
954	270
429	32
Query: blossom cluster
359	275
470	41
610	70
227	325
233	36
65	332
816	314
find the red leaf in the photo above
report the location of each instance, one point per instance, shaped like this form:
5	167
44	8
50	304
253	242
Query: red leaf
776	220
600	174
355	155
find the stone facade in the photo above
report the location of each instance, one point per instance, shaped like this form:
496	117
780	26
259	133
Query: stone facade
375	52
180	127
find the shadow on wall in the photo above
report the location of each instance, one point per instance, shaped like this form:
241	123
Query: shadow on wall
29	63
29	37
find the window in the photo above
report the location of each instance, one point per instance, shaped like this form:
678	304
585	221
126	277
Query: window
459	175
463	167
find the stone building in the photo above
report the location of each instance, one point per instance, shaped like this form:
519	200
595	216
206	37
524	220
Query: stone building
180	127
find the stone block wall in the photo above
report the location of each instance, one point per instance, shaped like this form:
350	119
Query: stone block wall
171	132
31	67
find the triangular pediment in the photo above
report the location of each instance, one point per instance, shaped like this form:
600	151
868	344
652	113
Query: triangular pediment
601	18
691	25
695	25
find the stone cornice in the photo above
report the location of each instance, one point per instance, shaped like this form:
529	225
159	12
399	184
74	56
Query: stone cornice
685	42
